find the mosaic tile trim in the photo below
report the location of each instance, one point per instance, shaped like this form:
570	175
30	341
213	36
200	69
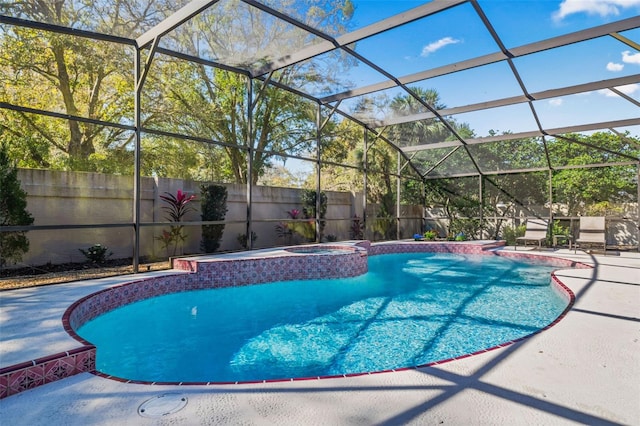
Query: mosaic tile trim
433	247
292	266
553	261
27	375
224	272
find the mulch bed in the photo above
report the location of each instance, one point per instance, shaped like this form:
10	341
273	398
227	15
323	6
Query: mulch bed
30	276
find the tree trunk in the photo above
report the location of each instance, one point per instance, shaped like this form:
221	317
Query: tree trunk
78	148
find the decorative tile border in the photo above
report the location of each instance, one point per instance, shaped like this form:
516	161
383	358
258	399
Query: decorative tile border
285	267
213	272
553	261
434	247
21	377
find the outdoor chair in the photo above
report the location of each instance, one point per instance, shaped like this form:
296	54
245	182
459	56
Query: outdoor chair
592	232
536	230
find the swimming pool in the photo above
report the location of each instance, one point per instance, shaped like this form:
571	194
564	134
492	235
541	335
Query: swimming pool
408	310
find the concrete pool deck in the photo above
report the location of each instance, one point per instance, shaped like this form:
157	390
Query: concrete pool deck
585	369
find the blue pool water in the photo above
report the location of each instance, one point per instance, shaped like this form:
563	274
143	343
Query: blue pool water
408	310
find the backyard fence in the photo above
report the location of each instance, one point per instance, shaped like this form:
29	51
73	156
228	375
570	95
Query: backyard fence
76	210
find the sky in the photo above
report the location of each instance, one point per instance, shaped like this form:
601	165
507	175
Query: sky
458	34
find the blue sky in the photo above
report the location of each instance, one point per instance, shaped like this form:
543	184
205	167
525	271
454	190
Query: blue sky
457	34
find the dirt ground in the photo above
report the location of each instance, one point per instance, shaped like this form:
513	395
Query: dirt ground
56	274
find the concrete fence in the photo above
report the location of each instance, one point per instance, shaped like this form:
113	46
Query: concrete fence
95	199
78	198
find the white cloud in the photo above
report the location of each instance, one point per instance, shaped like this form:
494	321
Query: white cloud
631	58
612	66
627	89
555	102
437	45
593	7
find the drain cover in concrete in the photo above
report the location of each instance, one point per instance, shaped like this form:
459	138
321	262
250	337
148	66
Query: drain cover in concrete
162	405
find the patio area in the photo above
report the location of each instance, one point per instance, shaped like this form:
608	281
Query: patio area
585	369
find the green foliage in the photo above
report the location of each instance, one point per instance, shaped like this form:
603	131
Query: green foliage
308	199
306	229
460	237
556	229
603	208
583	190
92	79
510	233
284	230
13	211
422	131
96	253
430	235
356	230
176	207
468	228
383	227
73	75
214	207
244	241
579	188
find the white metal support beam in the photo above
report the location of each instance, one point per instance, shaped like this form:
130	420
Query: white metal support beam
172	22
546	94
526	135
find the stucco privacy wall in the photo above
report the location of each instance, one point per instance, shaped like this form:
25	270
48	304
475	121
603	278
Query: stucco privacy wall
72	198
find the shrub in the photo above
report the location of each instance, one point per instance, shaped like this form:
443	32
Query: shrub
471	228
176	207
308	199
214	207
430	235
356	232
13	212
96	253
510	233
285	230
243	240
556	229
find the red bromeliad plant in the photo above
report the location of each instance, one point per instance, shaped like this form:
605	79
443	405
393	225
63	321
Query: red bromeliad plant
177	206
305	230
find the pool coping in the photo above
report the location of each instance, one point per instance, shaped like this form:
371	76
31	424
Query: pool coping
27	375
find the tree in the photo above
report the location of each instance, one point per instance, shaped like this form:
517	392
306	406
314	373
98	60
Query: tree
460	197
580	188
418	132
281	176
75	76
13	211
93	79
341	143
211	103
